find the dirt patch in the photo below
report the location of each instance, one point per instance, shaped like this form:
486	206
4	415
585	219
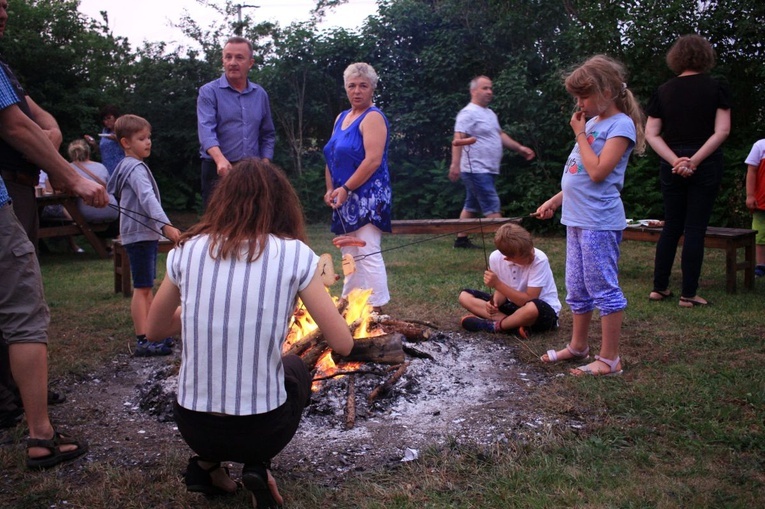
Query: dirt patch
473	391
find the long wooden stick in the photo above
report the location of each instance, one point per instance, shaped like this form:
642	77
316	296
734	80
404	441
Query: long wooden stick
386	385
350	405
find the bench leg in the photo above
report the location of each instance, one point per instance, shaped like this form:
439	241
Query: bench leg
122	282
750	260
730	269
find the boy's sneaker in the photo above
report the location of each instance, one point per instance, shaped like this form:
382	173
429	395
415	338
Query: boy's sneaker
474	324
464	243
148	348
169	341
759	271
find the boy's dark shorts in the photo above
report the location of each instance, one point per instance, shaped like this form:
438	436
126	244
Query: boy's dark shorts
546	321
143	262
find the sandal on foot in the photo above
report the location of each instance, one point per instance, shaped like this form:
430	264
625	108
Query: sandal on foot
587	370
148	348
658	296
691	302
199	480
576	355
56	455
255	479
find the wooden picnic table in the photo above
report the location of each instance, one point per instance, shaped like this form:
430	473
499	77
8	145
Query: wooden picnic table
78	225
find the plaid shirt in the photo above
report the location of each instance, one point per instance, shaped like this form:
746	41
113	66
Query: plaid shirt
8	98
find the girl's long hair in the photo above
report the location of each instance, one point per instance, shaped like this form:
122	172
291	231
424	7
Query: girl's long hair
255	199
605	79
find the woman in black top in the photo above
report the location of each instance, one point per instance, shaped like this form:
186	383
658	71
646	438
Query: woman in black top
688	120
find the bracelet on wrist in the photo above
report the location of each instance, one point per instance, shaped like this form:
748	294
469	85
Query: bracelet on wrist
583	132
348	191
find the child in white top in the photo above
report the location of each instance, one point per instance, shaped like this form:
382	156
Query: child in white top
525	296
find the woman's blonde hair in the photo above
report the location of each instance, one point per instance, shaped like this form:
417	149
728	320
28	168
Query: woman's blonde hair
514	241
78	150
606	79
255	199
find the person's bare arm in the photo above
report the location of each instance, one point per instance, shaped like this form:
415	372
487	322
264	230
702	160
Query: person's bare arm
164	315
22	133
454	168
751	185
222	164
511	144
47	123
515	296
333	327
720	134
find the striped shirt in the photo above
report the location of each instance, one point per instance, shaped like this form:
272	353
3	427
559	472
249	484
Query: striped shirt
234	317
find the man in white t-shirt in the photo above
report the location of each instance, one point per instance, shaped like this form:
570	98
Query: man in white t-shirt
478	164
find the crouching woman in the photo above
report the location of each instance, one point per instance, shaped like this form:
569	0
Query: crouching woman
230	289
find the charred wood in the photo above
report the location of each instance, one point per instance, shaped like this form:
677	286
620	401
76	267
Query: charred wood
386	385
385	349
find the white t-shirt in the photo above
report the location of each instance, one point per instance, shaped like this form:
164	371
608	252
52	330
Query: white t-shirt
538	274
485	155
234	317
757	153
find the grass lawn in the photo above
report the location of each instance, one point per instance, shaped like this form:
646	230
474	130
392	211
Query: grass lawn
682	428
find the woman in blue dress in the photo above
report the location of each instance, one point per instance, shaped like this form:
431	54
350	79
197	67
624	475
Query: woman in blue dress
358	182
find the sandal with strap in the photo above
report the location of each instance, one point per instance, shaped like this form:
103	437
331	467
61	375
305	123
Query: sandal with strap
587	370
199	480
255	479
576	355
56	455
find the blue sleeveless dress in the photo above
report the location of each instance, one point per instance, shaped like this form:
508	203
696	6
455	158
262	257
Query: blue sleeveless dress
371	202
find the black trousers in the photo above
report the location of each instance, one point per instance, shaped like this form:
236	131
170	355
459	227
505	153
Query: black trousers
249	439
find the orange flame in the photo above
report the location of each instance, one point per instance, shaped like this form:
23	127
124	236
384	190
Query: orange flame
358	311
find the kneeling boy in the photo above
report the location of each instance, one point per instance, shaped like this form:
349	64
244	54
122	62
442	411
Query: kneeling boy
525	296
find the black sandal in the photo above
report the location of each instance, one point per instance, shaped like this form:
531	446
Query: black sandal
198	479
255	479
56	456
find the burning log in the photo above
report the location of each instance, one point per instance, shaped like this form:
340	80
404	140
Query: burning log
384	349
386	385
410	331
350	404
314	353
308	341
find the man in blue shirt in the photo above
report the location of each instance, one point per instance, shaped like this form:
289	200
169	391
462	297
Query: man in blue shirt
26	143
233	117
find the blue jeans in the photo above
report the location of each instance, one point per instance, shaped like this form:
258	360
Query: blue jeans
687	208
480	193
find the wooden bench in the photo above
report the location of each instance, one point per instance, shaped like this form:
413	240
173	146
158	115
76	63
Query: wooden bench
448	226
729	239
122	281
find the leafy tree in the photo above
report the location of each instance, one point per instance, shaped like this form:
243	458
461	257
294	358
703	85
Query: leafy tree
68	63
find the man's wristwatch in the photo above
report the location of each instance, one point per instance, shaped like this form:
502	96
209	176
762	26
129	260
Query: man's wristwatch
348	191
